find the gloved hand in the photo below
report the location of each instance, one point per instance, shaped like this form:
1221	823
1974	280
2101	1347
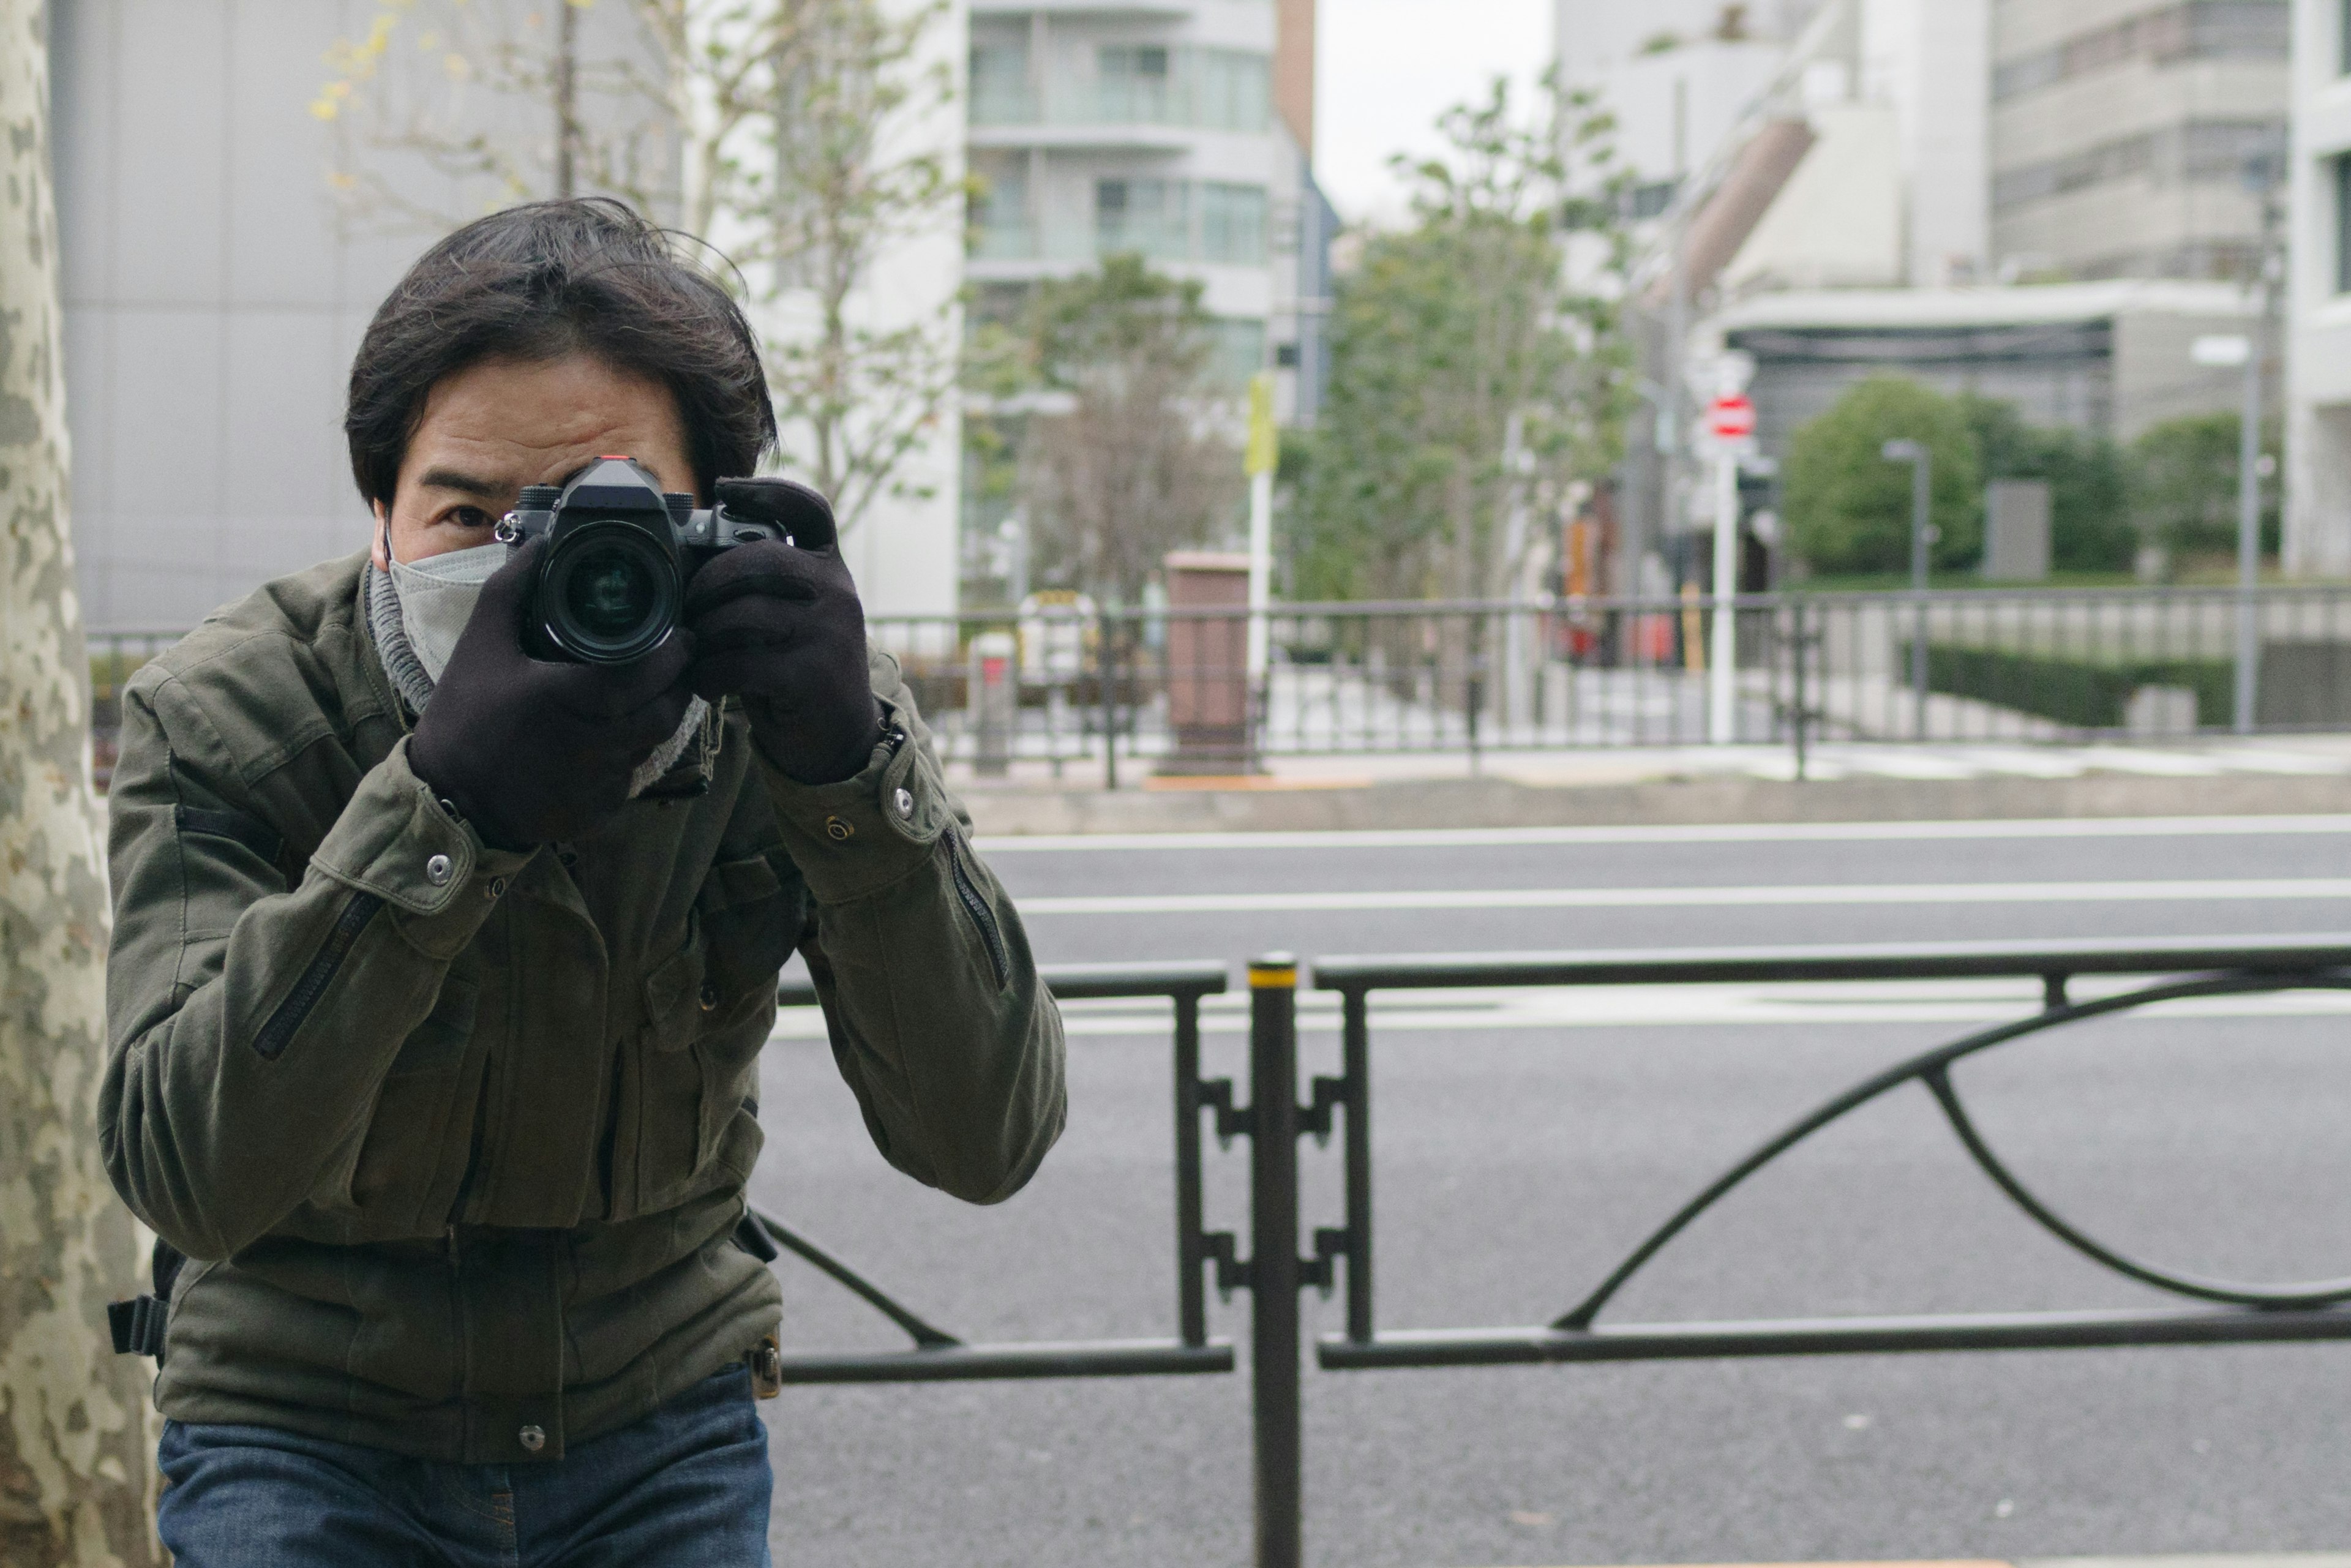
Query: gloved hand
780	626
529	751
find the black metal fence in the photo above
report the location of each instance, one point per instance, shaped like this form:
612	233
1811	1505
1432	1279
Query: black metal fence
1954	666
1278	1270
1076	687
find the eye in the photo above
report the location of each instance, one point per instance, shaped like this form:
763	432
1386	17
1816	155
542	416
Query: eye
468	517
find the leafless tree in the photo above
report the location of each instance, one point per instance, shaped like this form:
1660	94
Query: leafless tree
1130	453
774	128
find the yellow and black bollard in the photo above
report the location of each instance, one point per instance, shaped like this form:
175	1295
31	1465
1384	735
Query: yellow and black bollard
1274	1272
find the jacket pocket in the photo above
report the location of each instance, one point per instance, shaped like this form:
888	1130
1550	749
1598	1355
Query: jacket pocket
669	1077
983	916
416	1128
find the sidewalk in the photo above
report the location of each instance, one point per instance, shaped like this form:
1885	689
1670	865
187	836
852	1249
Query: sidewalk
1844	781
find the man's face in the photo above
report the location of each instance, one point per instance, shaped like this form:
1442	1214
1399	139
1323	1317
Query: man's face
496	427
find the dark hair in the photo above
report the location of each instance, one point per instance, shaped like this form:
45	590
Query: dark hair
546	279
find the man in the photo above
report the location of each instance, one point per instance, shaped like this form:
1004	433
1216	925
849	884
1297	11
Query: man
441	971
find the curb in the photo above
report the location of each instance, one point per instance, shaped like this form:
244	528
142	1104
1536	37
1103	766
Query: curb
2199	1560
1499	803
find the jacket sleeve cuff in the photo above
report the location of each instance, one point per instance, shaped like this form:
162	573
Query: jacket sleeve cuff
856	837
397	842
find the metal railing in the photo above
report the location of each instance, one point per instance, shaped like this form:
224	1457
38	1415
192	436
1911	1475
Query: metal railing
939	1356
1276	1273
1160	688
2001	666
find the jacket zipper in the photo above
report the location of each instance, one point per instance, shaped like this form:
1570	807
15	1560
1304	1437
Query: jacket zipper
280	1030
981	916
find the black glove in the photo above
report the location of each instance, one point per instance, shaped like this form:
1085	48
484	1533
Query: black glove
780	626
528	751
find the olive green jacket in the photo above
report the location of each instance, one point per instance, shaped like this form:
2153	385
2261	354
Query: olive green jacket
457	1137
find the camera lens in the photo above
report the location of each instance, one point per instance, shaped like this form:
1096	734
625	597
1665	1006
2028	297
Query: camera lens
609	593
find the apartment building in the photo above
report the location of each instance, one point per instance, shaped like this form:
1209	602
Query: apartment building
1147	126
2121	131
2318	294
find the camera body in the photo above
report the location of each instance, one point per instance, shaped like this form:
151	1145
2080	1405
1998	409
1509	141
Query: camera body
620	551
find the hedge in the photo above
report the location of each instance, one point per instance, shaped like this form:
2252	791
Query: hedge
2085	694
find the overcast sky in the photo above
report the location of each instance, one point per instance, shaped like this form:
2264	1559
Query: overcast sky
1388	67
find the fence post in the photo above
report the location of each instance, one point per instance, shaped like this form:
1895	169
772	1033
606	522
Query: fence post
1274	1274
1106	672
1803	700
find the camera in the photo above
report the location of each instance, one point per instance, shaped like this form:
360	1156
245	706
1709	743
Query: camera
620	551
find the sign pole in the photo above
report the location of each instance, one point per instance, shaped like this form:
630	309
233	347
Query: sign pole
1263	456
1731	424
1722	658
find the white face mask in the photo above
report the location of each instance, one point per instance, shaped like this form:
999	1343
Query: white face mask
436	599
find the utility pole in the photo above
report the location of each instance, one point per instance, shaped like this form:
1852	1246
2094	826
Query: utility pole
2263	172
1922	474
567	93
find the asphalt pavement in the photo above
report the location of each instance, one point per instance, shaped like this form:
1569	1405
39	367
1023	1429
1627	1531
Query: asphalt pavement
1526	1142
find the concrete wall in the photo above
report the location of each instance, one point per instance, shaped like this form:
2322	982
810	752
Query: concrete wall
1930	60
212	307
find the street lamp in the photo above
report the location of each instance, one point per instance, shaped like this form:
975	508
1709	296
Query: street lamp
1922	473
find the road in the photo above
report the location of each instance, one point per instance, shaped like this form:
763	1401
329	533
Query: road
1525	1144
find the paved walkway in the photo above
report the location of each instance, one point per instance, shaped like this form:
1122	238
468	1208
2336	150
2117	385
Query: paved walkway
2300	756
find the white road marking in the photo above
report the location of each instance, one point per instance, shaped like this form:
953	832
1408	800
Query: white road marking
1630	1007
1706	833
2252	889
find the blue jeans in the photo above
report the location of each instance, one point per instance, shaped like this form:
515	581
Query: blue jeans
687	1487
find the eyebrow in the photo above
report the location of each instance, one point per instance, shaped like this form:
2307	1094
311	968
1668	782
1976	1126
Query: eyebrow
465	484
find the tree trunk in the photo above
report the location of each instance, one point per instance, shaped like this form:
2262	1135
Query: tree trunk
77	1456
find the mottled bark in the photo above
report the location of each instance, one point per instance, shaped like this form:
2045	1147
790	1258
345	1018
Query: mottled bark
76	1447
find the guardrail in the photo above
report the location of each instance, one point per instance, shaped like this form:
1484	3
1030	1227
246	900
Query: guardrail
1275	1273
1092	687
938	1356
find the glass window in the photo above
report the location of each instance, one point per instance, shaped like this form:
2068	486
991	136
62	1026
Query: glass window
1232	223
1149	217
999	84
2342	225
1132	79
1241	351
999	216
1234	90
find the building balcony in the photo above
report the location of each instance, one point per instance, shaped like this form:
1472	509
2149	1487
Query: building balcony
1084	243
1124	10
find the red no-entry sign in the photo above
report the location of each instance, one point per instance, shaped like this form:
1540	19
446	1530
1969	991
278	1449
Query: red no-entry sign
1731	418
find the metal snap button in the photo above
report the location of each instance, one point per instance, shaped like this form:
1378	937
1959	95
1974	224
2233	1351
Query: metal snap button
496	888
532	1438
709	998
438	869
838	831
905	803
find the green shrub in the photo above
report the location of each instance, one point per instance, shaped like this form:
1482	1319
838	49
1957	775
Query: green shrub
2085	694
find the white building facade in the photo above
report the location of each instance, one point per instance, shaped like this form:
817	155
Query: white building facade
1143	127
2318	310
